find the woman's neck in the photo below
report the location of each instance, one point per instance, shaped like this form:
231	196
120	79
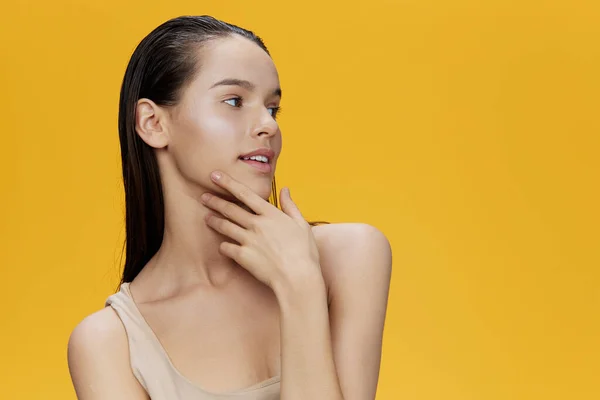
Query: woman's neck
189	254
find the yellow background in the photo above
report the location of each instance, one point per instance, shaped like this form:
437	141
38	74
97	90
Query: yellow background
467	131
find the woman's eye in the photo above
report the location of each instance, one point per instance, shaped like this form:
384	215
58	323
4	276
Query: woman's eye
234	102
274	111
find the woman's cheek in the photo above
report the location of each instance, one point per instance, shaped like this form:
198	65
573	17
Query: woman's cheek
217	123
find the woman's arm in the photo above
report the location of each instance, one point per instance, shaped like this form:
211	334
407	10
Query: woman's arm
357	266
98	356
307	366
336	353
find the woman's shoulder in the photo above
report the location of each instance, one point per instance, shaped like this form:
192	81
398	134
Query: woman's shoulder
101	327
349	249
100	335
347	235
98	353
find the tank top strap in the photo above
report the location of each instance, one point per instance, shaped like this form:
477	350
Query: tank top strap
148	363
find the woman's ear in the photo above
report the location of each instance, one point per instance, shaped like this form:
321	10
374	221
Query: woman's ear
150	123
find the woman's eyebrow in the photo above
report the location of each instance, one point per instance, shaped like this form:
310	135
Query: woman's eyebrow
242	83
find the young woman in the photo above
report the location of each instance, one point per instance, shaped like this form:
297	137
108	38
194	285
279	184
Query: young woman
224	295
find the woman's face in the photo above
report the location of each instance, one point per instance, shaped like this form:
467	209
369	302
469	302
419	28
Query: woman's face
227	111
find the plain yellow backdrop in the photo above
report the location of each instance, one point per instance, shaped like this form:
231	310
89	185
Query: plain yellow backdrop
467	131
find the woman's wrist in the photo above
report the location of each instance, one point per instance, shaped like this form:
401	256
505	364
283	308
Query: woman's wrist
306	282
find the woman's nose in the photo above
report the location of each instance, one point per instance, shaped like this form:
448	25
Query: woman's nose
265	124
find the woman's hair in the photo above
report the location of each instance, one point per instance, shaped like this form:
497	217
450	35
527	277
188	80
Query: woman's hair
159	69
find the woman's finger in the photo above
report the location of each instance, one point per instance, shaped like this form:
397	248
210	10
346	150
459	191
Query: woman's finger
243	255
241	192
227	209
232	251
289	206
227	228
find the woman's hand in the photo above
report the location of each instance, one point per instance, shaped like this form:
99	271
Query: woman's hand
276	247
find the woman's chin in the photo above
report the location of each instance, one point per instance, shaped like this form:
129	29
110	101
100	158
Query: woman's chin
260	190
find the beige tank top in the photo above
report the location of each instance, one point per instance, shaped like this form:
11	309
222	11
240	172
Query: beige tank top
155	371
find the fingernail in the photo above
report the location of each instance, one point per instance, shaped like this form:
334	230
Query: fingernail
205	197
216	176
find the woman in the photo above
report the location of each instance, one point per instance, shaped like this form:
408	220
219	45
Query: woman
223	294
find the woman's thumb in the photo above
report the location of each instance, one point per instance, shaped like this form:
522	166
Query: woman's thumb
288	206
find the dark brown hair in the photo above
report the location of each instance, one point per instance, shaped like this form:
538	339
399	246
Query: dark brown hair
161	65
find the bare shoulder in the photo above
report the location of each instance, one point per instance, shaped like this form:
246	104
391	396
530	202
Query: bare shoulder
347	239
348	234
100	328
352	250
98	357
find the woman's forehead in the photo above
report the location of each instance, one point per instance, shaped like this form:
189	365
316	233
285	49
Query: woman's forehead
236	58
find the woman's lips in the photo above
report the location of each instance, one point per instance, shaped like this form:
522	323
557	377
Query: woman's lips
261	166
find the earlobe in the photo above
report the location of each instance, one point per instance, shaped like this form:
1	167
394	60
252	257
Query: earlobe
149	124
